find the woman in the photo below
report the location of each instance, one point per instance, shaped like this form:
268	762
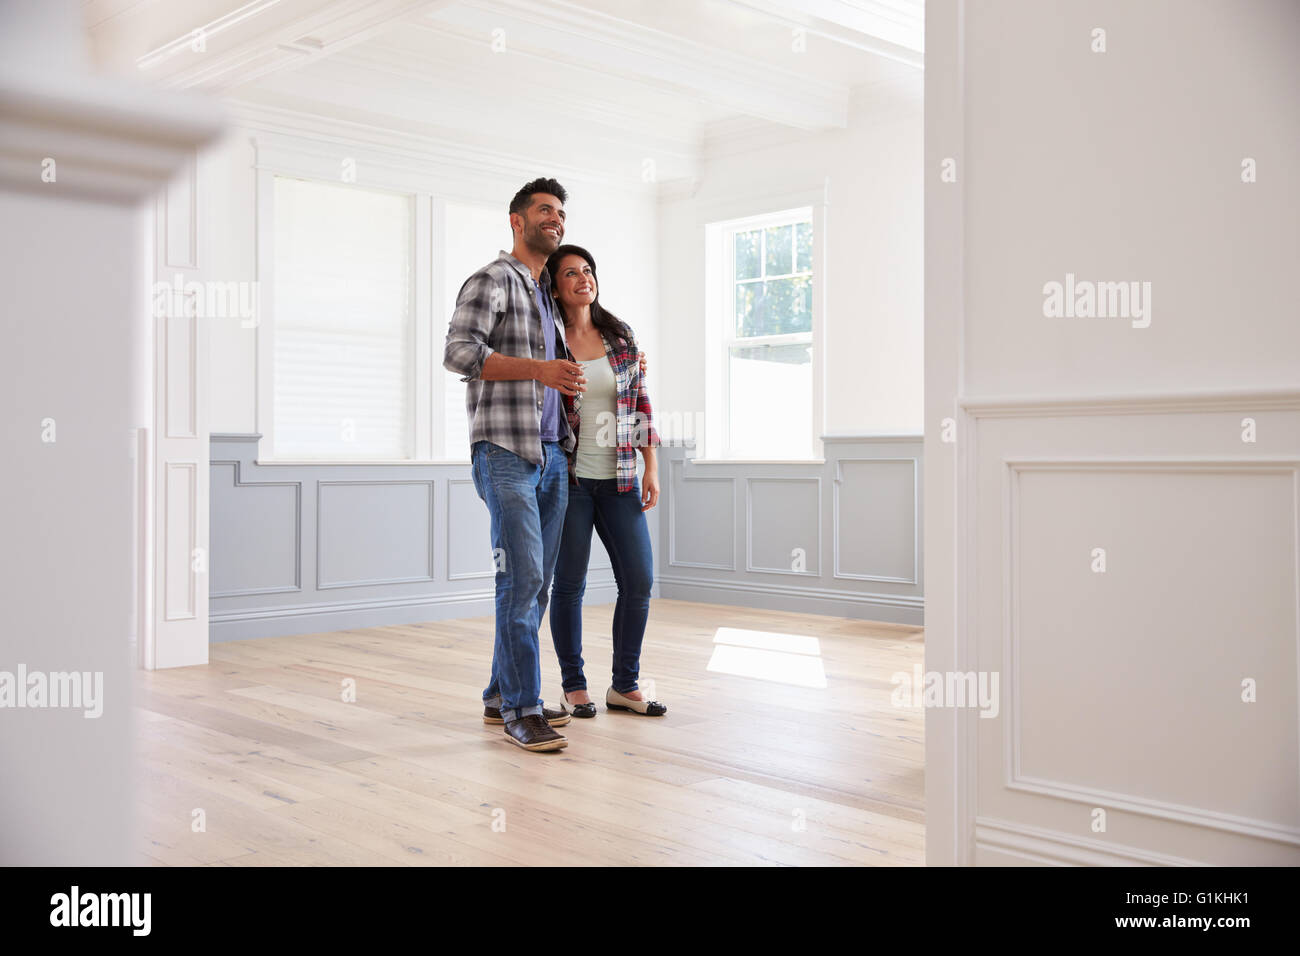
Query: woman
612	419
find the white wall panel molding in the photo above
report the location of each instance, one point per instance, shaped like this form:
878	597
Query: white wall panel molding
1073	422
1015	775
1283	398
179	506
182	339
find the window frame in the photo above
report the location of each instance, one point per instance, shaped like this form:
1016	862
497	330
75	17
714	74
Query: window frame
429	304
720	330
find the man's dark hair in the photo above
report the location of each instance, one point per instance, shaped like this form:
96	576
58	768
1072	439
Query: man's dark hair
524	198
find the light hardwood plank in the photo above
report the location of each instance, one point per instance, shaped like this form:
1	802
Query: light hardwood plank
744	770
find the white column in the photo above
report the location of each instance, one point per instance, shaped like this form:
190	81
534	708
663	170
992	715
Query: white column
81	160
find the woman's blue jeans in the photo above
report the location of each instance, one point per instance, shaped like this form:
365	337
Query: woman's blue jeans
618	519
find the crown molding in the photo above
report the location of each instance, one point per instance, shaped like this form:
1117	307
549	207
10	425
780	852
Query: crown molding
408	156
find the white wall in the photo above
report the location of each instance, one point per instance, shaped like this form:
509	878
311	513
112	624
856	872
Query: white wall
1121	688
614	220
227	215
873	280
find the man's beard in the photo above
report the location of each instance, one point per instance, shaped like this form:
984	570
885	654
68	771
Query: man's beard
539	241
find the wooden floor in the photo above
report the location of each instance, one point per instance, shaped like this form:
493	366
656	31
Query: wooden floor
743	770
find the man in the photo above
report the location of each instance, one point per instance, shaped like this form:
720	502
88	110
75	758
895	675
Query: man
507	341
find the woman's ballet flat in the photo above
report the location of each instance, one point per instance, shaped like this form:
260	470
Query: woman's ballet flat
651	708
580	710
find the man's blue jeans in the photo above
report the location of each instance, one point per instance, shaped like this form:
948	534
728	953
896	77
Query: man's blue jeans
620	522
527	505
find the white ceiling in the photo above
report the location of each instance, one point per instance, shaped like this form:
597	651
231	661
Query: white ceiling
589	83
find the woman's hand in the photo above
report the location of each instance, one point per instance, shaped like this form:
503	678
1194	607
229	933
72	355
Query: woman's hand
643	365
649	487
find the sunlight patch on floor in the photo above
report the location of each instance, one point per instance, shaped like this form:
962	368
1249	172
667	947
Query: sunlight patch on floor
767	655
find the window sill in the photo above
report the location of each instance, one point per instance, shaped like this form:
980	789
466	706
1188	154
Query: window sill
757	461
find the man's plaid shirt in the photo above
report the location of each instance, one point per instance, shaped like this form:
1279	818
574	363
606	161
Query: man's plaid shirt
634	427
496	312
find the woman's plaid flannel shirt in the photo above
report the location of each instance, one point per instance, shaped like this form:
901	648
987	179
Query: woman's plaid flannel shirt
634	427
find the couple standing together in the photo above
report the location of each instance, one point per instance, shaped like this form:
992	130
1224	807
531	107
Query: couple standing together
557	411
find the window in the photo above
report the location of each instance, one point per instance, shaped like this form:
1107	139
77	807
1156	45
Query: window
343	304
765	350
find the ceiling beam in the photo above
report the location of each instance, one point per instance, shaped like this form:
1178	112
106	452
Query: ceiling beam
264	36
659	132
894	29
606	44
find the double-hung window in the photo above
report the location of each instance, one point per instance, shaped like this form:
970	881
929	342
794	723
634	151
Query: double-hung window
764	360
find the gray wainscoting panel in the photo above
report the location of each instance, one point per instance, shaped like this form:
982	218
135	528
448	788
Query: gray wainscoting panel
469	533
300	548
855	517
305	547
783	516
876	532
260	529
373	532
702	529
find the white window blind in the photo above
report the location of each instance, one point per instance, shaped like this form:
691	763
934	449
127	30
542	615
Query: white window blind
342	285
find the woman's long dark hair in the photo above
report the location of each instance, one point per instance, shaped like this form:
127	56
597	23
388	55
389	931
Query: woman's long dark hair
607	322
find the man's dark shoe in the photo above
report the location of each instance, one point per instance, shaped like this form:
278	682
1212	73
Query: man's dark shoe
556	718
534	733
